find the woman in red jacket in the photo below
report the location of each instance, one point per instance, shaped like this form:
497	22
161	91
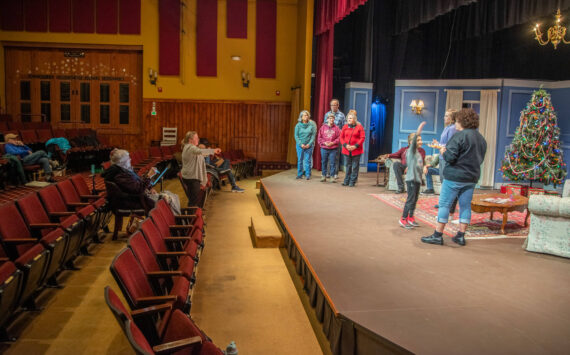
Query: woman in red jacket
352	139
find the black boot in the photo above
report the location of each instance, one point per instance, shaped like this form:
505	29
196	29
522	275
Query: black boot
459	238
435	238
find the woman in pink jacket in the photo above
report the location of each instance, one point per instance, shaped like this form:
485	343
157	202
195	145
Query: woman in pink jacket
352	139
329	139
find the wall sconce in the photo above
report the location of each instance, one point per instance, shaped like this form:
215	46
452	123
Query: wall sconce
152	76
245	79
417	106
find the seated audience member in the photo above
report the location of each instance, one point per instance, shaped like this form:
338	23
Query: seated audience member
329	141
429	171
223	167
400	167
121	173
16	147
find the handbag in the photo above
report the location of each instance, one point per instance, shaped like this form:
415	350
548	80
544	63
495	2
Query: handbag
134	224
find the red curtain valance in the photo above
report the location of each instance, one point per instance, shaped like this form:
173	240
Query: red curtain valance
330	12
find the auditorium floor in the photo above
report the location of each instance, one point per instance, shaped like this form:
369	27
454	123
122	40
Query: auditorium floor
242	294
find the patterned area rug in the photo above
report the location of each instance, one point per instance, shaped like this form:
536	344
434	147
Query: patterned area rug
481	226
13	193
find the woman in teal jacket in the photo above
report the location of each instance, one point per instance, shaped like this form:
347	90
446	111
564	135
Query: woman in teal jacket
305	133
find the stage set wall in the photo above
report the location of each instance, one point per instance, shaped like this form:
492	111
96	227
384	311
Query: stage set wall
175	94
512	97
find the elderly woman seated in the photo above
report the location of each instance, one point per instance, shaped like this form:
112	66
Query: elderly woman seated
137	189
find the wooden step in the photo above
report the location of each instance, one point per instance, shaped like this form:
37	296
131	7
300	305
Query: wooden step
265	232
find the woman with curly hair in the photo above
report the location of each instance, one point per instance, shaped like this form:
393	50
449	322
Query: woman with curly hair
463	155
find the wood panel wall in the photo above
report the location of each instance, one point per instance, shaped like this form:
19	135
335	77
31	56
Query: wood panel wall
260	129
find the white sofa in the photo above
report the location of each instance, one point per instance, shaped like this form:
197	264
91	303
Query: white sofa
549	230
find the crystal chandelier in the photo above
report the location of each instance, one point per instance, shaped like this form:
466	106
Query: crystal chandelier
555	33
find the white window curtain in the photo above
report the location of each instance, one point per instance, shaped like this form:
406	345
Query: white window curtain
454	100
488	128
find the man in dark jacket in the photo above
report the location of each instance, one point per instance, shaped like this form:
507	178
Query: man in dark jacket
463	154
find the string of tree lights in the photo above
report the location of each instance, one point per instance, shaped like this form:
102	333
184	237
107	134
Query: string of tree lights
535	153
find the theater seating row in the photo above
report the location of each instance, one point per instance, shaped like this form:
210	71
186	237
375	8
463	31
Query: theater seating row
155	274
242	166
87	147
40	235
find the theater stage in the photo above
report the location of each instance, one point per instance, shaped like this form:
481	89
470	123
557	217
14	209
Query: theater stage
378	289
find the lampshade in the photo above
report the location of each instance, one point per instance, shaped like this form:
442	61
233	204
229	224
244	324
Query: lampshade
421	103
414	103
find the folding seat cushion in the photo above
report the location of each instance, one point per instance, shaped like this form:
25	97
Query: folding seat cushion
167	259
175	242
44	135
38	221
137	289
10	287
58	212
195	231
181	337
84	209
24	250
29	136
149	261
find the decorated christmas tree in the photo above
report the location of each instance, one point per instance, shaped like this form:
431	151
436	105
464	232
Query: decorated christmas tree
535	153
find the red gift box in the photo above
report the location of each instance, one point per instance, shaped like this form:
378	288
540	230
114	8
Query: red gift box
535	191
517	189
503	189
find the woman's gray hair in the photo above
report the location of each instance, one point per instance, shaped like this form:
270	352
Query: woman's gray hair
120	157
300	119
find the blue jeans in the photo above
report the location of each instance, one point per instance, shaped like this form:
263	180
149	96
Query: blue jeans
451	190
352	165
429	179
304	160
328	158
40	157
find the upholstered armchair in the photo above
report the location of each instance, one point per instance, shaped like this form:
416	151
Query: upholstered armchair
549	230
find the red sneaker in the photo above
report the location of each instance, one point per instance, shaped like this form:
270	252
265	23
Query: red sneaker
412	222
404	223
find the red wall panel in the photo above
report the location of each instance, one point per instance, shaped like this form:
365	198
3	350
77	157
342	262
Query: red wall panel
107	16
130	17
206	37
12	15
236	15
169	37
59	15
83	16
266	33
35	15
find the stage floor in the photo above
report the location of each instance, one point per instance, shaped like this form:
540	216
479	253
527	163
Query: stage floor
489	297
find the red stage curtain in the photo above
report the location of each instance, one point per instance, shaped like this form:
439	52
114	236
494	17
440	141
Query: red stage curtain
236	15
330	12
206	38
12	15
36	15
107	16
130	17
169	37
59	15
327	14
84	16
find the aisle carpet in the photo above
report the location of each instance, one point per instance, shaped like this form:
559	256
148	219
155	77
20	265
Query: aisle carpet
481	226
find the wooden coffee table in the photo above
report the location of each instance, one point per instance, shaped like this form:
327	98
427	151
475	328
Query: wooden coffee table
519	203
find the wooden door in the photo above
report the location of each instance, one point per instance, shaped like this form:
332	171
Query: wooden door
94	87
